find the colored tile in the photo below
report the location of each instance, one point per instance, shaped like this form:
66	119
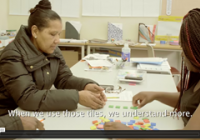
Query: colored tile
100	126
117	121
102	123
102	118
97	123
125	107
134	107
136	128
151	127
130	123
130	126
143	128
136	118
155	129
140	123
148	125
146	121
93	127
94	121
106	120
118	107
123	123
133	121
153	124
111	120
111	106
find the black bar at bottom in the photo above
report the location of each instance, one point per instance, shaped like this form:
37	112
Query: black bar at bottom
101	134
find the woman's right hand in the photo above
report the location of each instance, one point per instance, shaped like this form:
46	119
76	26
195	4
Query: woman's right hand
144	98
89	99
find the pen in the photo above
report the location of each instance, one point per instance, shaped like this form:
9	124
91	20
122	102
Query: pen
42	120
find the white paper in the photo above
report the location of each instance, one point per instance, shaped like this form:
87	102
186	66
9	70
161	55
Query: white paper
152	8
123	96
14	7
25	7
126	7
70	8
97	56
99	63
171	28
148	59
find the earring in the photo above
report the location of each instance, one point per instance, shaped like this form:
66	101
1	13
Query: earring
35	36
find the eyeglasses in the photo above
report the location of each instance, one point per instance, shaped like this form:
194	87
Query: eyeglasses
111	90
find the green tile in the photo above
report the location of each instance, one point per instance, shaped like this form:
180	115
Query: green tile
135	107
143	128
125	107
111	106
118	107
145	119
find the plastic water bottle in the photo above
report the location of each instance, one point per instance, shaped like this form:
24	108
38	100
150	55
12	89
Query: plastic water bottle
126	52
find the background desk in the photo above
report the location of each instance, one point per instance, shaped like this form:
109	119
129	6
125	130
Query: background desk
164	47
82	45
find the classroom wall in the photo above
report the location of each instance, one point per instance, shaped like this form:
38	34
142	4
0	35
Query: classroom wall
93	27
3	14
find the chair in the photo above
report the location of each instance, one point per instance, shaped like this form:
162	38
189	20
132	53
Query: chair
151	53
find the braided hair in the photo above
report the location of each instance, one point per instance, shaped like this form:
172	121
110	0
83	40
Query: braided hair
190	43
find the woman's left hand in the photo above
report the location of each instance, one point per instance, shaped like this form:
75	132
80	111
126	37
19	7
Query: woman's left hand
115	126
96	89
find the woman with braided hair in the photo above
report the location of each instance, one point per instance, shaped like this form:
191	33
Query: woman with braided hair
188	99
32	63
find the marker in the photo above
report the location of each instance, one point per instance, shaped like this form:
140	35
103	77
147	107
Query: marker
42	120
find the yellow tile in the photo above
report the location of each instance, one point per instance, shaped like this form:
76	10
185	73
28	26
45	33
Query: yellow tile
106	120
97	123
147	125
102	118
93	127
136	118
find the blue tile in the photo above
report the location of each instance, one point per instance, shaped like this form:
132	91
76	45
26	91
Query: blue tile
130	123
136	128
153	124
123	123
133	121
155	129
111	120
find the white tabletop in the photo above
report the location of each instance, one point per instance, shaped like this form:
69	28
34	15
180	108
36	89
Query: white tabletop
152	82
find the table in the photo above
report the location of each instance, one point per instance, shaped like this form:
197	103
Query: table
153	82
82	45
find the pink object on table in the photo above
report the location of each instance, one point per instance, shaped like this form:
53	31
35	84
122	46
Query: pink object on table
132	84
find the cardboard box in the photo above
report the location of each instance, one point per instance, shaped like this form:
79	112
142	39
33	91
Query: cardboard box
71	57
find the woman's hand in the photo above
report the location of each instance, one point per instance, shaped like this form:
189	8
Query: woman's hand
96	89
144	98
90	99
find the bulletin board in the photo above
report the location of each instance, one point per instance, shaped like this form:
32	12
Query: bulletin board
180	7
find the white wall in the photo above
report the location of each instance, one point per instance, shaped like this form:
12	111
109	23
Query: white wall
3	14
